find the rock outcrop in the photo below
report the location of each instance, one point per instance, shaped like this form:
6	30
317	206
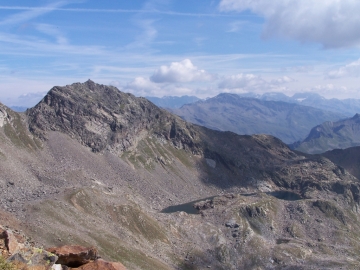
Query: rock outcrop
103	118
74	256
16	249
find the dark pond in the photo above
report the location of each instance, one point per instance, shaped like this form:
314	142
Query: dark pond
190	209
186	207
285	195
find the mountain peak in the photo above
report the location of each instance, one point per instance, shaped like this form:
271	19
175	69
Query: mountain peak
102	117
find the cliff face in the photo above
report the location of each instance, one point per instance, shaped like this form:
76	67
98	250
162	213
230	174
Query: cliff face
92	166
100	117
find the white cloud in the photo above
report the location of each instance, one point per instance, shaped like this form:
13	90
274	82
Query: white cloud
282	80
332	23
241	81
141	86
333	91
183	71
349	70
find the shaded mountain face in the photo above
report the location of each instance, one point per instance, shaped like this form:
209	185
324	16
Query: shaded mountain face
332	135
172	102
348	158
286	121
90	165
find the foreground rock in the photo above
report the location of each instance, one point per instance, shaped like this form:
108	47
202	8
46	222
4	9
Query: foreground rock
74	256
16	249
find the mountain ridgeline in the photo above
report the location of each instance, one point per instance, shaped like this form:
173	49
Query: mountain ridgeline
332	135
347	107
172	102
92	166
229	112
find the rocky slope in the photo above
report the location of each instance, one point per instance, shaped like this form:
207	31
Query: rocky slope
332	135
92	166
229	112
348	158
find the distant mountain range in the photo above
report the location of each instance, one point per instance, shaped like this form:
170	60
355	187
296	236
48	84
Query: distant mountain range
348	107
332	135
172	102
18	108
245	115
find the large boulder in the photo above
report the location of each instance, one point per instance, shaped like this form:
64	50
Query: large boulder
74	256
10	242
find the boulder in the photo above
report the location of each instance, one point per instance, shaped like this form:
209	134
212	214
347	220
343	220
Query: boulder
74	256
102	265
33	258
11	242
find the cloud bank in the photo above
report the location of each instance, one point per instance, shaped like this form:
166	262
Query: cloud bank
349	70
183	71
332	23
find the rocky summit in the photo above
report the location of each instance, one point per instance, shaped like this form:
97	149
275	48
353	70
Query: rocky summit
91	166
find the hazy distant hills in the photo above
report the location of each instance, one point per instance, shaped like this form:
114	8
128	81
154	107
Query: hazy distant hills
172	102
332	135
245	115
18	108
348	107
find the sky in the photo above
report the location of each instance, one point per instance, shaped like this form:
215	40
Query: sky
180	47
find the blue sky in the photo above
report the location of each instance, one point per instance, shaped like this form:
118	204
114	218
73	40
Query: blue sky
173	47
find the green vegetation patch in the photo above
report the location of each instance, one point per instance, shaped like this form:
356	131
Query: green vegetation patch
116	250
17	133
4	265
138	222
182	155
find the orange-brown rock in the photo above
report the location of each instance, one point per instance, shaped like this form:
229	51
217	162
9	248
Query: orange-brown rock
74	256
102	265
10	241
